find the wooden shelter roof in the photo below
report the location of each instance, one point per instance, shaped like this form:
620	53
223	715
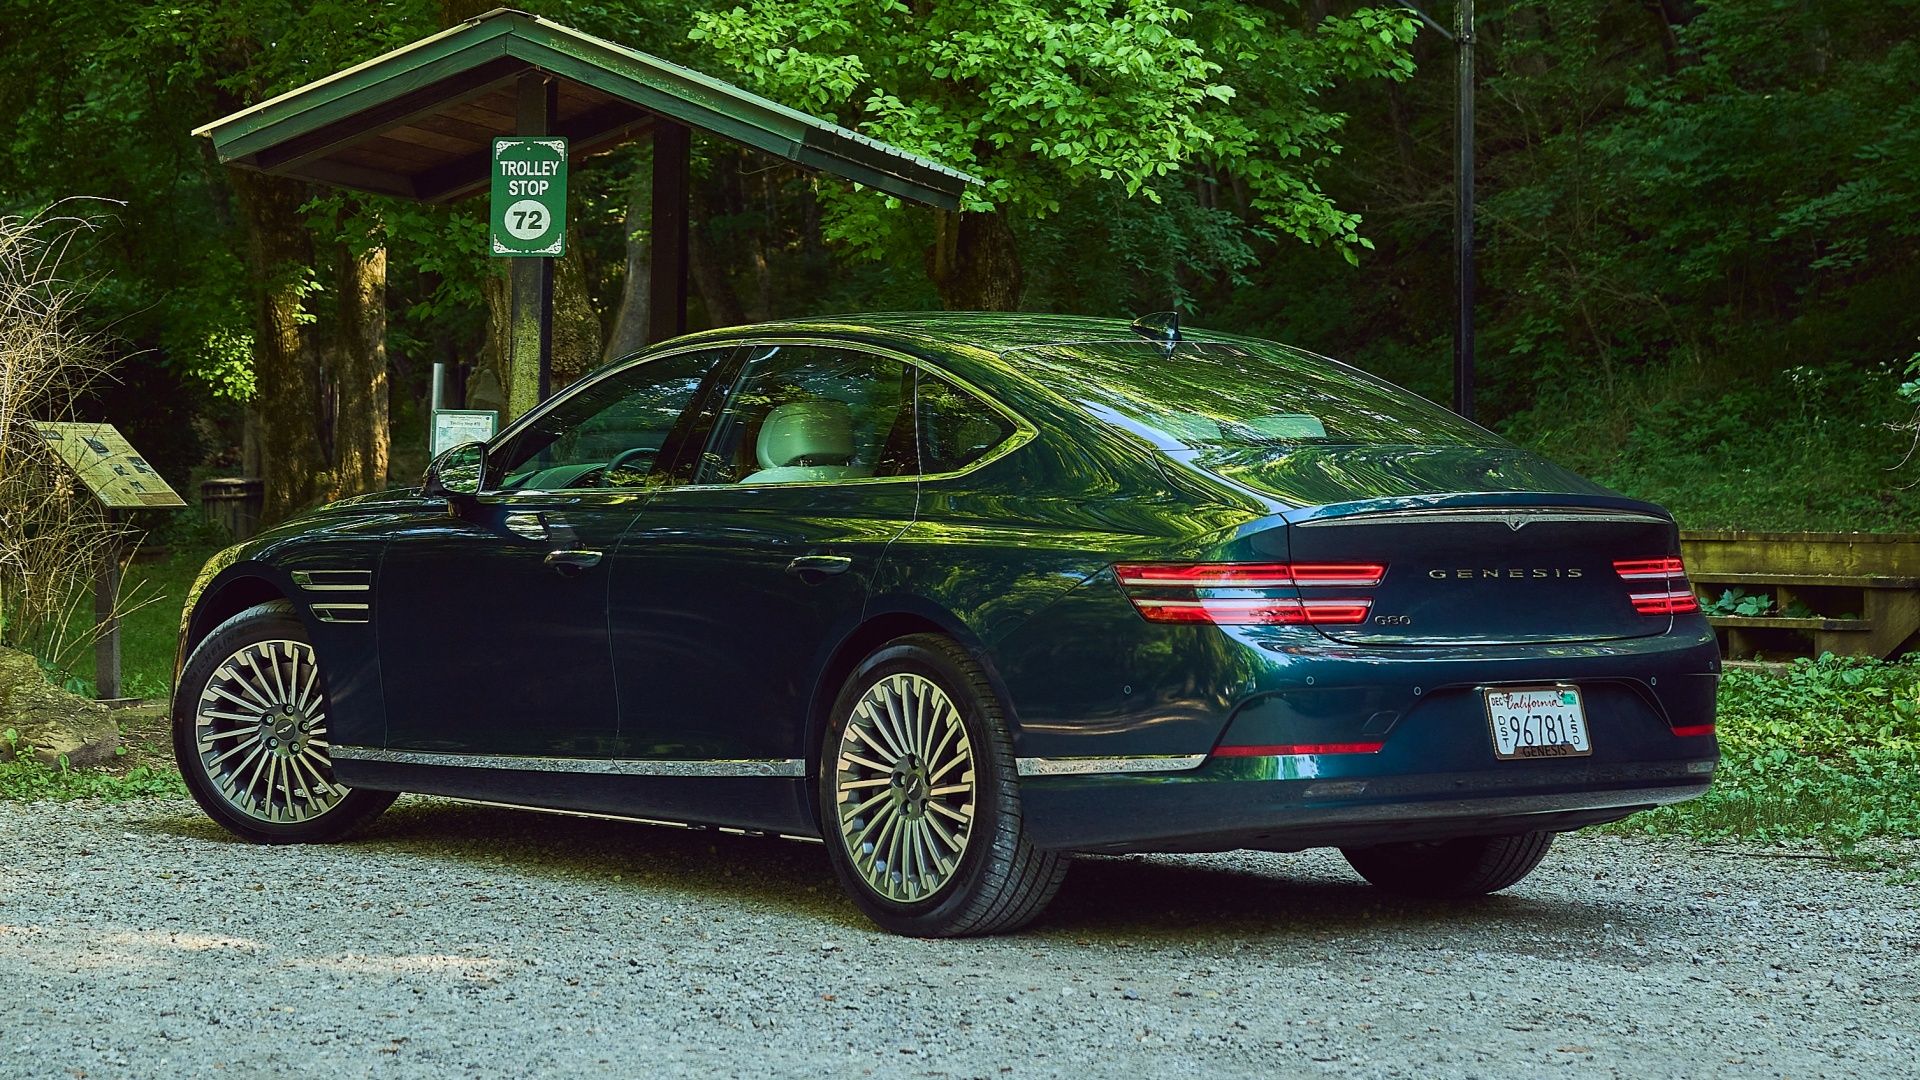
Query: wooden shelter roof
418	122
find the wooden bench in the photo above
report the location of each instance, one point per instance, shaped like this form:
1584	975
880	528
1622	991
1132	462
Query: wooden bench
1862	588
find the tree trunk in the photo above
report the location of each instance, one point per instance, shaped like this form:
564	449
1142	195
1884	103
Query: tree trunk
576	325
710	280
630	318
294	423
359	372
975	262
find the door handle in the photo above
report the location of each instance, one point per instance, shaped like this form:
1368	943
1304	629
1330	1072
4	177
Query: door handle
814	569
568	562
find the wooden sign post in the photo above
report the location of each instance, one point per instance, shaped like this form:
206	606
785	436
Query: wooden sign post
121	480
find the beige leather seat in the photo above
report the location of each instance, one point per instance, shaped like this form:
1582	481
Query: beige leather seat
806	440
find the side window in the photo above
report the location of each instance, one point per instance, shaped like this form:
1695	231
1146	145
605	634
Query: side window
610	434
956	428
811	413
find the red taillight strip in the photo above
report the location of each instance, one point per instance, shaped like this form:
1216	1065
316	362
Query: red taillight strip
1345	574
1645	569
1292	749
1247	575
1693	730
1206	575
1256	612
1673	602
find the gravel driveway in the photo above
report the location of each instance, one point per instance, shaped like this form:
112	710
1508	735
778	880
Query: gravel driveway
450	940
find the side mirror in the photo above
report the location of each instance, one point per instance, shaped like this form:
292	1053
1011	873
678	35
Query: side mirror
456	473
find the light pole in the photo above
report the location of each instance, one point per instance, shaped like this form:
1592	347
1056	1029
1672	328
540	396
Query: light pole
1463	278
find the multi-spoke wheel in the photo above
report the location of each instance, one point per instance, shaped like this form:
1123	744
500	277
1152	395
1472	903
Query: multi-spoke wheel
250	733
920	801
905	789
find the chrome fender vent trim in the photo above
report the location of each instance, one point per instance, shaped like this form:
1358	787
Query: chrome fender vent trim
339	613
334	580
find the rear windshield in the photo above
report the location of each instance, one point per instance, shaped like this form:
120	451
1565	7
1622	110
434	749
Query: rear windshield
1208	394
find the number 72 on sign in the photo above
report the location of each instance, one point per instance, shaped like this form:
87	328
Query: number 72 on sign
528	216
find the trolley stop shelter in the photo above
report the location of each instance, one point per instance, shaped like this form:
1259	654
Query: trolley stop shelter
418	123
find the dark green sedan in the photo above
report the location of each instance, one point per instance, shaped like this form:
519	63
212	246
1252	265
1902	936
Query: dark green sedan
961	595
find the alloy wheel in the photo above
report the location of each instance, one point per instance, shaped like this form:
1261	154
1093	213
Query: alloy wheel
904	788
260	729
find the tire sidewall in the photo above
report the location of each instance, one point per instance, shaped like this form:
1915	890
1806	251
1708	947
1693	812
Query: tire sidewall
267	622
992	768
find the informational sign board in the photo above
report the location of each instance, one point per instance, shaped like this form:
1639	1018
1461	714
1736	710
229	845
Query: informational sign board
120	478
529	212
451	427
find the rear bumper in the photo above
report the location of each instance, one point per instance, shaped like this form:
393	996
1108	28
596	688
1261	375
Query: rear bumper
1274	804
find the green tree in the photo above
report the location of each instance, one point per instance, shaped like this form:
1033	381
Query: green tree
1047	100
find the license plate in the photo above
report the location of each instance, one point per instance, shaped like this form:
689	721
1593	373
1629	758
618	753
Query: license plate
1537	722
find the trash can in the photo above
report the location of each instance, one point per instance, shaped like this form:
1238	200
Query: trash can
234	502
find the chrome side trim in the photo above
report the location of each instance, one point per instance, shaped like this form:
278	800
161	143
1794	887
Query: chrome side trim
631	818
793	767
1489	516
339	613
334	580
1081	766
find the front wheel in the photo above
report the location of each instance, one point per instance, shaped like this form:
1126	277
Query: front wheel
1450	869
250	734
920	801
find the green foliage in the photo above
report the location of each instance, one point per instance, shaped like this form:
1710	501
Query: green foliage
1829	750
1738	601
1046	100
26	779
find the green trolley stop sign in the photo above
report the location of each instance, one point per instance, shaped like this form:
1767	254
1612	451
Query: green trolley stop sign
529	213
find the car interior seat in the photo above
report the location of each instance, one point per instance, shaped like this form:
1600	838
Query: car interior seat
806	440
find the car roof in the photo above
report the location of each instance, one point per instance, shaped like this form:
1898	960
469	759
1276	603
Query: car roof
944	331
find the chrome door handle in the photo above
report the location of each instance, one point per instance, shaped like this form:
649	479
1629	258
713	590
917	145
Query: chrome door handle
568	562
813	569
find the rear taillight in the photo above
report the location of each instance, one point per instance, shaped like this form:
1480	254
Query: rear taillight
1249	594
1673	596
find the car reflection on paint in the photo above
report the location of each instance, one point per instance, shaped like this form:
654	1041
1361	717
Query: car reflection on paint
962	595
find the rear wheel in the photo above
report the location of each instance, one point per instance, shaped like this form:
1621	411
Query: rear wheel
1447	869
920	801
250	734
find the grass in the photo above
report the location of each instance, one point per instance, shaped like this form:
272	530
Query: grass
149	633
1827	751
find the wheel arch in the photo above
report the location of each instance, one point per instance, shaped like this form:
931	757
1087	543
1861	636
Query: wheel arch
878	628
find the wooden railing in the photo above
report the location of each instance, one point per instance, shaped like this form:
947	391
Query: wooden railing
1854	594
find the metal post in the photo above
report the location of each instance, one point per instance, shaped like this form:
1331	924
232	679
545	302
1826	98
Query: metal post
436	399
667	284
1463	213
531	279
106	620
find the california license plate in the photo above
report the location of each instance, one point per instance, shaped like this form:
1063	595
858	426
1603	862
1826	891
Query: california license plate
1537	722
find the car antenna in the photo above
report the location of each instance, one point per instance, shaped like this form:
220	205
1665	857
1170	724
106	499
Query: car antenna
1161	326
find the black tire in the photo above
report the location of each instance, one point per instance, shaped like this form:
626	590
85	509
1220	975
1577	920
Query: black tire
1450	869
1000	881
314	809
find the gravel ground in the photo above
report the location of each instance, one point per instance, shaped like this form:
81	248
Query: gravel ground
449	940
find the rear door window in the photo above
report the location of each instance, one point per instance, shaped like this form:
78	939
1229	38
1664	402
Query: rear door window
957	429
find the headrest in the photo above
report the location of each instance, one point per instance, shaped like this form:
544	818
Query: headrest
806	433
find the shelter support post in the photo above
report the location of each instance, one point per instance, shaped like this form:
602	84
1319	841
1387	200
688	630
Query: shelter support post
106	620
667	274
530	280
